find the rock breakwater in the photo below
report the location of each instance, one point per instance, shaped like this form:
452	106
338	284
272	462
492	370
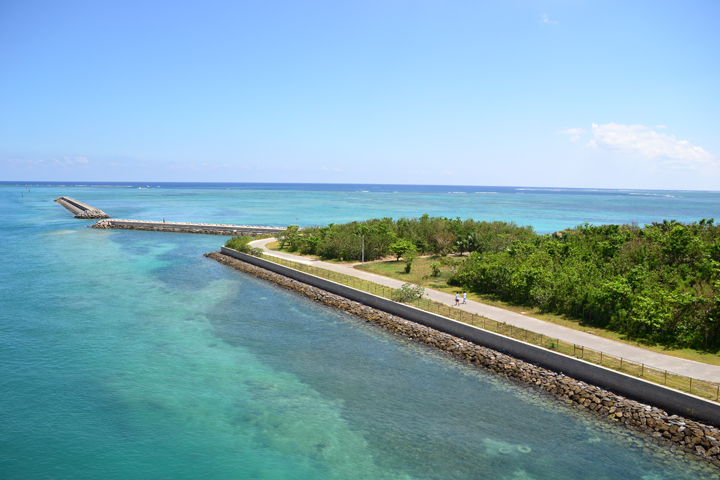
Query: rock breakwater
92	214
185	227
677	432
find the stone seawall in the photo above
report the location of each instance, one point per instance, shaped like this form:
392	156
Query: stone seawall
679	433
661	396
184	227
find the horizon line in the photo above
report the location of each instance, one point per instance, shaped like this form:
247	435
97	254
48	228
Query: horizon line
41	183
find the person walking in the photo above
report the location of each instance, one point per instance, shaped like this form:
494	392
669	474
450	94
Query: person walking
464	298
457	299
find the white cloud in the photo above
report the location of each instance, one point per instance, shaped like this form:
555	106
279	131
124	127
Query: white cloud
642	141
81	159
573	132
544	19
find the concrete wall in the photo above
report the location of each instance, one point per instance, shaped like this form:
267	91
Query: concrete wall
80	206
671	400
77	204
70	205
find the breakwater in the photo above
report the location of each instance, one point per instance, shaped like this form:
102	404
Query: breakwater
679	432
186	227
80	209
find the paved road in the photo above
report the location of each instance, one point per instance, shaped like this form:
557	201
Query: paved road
635	354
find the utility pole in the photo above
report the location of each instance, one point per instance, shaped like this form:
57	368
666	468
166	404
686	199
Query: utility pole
360	231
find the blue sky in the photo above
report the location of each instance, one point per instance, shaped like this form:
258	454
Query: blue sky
536	93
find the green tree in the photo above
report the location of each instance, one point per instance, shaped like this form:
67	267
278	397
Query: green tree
401	248
467	243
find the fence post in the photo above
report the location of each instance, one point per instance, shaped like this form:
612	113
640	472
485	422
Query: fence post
601	358
642	369
690	384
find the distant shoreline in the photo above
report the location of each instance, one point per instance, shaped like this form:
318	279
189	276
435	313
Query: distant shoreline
442	188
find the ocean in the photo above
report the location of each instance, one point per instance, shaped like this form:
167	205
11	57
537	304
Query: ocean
127	354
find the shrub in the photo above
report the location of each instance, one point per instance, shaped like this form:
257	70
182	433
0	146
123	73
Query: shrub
240	243
408	293
435	266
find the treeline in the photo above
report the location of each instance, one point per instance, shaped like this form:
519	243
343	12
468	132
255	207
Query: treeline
660	283
385	236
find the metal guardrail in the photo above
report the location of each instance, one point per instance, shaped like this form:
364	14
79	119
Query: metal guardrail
702	388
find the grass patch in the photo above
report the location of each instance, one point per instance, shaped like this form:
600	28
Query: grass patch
421	275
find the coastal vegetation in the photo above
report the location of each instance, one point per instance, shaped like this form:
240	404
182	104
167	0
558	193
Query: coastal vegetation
242	244
402	237
658	284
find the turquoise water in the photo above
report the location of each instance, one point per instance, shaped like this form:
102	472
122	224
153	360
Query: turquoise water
129	355
546	209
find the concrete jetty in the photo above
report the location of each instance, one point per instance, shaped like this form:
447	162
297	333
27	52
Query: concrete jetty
186	227
80	209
